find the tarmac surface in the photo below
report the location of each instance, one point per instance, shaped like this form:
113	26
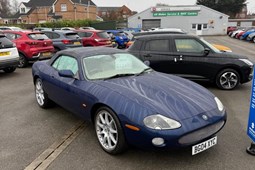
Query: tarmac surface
55	139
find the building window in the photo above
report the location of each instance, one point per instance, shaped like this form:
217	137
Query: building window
63	7
22	10
205	26
194	26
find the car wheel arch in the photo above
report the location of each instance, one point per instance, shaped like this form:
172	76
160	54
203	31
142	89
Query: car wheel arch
230	67
35	78
94	109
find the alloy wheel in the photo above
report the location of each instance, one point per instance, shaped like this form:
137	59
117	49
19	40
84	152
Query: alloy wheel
228	80
39	93
106	130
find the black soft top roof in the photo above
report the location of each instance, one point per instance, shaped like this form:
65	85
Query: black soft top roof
90	51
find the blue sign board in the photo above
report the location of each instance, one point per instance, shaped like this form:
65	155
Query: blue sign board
251	122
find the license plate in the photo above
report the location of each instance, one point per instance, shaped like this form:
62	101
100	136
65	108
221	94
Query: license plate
46	54
5	53
113	43
77	43
204	146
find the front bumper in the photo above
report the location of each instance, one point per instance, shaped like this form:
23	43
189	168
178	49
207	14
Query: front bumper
194	130
9	63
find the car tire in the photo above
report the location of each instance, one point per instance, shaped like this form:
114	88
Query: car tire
253	39
56	49
41	97
9	69
109	132
228	79
22	61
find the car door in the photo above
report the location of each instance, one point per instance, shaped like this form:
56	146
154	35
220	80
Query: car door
158	53
191	60
63	90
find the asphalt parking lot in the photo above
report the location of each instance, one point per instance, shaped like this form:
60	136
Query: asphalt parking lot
54	138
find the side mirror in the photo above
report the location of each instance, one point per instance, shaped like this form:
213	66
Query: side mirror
147	63
66	73
207	51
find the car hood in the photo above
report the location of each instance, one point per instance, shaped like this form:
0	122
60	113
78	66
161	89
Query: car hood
165	94
230	55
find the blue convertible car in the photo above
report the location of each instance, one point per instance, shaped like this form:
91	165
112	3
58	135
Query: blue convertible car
128	102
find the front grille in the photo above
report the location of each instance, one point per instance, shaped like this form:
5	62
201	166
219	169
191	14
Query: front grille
201	134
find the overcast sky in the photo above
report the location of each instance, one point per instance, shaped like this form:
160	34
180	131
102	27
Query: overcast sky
140	5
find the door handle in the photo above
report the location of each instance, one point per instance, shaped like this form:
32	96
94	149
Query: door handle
147	55
175	60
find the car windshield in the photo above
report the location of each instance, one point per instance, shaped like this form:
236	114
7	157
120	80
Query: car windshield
72	35
38	36
120	34
211	46
103	35
113	65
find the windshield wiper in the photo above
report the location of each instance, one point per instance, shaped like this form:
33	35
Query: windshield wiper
145	70
119	75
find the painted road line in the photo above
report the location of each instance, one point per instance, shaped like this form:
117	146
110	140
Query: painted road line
50	154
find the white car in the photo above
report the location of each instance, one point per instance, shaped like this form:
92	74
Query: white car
233	35
10	28
67	28
9	56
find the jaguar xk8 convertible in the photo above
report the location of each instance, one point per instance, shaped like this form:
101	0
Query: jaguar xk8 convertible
128	102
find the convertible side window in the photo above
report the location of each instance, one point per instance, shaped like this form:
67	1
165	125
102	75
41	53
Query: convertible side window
188	45
66	63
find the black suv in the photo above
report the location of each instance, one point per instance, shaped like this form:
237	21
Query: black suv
192	57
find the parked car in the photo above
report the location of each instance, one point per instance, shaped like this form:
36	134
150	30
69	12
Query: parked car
172	31
234	33
42	29
9	56
119	37
128	102
87	28
31	45
192	57
64	39
245	34
10	28
231	28
251	37
67	29
94	38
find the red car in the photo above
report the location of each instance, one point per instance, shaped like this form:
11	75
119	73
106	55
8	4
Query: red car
238	36
94	38
31	45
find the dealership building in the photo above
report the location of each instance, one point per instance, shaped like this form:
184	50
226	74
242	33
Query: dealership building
196	19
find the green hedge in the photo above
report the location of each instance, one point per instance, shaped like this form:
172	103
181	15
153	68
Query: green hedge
67	23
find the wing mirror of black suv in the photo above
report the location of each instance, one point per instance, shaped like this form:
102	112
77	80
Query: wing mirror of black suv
207	51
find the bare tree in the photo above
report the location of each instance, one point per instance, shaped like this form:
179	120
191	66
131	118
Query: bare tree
5	7
15	6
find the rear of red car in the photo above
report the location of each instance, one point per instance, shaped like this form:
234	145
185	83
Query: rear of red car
31	45
94	38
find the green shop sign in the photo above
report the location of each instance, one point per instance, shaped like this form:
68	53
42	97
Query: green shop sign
166	14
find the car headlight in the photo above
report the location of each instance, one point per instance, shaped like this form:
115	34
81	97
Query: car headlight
160	122
248	62
219	104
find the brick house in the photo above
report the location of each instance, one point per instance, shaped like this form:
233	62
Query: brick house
115	13
40	11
